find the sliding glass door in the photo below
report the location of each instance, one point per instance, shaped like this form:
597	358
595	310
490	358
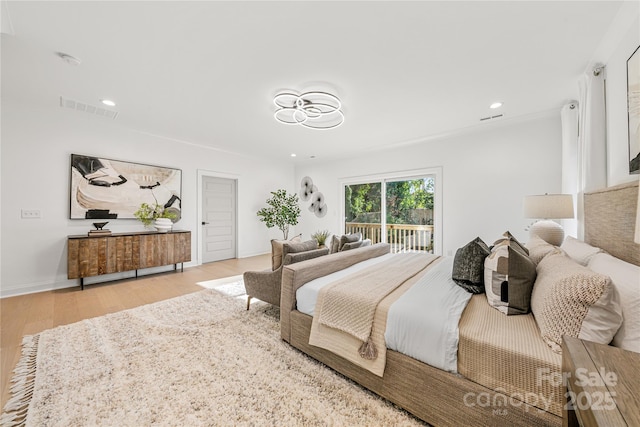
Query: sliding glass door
398	210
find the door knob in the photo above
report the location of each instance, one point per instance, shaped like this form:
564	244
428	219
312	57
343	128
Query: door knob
204	223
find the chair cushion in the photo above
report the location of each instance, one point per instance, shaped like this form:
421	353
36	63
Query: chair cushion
349	238
276	250
289	247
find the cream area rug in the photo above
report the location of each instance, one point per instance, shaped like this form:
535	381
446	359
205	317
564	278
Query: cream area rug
196	360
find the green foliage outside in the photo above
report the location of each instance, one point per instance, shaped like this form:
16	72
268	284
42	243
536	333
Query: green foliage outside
408	202
283	211
406	199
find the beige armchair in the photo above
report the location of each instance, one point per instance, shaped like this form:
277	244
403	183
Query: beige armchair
265	285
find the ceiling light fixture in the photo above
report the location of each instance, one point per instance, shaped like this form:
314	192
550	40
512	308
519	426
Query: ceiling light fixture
495	105
314	110
108	102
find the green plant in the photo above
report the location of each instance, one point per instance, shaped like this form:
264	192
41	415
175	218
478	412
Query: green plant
283	211
321	236
147	213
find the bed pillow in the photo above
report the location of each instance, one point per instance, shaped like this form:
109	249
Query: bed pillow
510	238
468	266
570	299
539	248
276	250
509	275
626	279
581	252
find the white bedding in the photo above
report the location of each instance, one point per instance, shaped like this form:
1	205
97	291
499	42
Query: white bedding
423	323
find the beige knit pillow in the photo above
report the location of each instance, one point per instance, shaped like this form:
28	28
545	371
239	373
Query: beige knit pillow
538	249
569	299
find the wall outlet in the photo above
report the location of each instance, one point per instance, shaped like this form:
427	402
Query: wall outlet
30	213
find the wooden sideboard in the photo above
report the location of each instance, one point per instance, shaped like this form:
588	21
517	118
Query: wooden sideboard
118	252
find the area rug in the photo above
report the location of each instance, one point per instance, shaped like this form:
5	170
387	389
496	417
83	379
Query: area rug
197	360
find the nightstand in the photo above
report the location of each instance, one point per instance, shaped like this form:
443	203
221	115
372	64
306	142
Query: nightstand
602	384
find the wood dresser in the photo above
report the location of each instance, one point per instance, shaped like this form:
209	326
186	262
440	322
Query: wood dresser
118	252
602	384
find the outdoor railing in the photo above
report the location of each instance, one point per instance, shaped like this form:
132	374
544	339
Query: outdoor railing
402	237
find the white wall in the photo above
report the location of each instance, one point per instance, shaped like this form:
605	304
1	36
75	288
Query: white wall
36	146
485	176
615	57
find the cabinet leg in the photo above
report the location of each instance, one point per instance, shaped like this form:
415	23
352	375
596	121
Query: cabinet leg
82	283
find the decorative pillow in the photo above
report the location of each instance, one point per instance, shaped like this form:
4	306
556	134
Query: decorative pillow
509	275
539	248
335	244
468	266
276	250
508	237
352	245
625	278
581	252
349	238
289	247
570	299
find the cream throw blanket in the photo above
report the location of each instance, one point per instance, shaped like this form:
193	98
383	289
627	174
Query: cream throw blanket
352	311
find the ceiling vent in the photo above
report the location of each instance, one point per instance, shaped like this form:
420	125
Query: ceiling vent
497	116
91	109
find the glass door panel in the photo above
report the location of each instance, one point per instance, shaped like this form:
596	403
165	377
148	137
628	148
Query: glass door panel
409	214
363	210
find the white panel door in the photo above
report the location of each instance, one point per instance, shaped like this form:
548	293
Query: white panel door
218	219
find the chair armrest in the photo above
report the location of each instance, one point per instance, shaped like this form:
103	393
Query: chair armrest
292	258
264	285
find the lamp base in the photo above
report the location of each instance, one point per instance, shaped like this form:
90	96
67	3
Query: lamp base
549	231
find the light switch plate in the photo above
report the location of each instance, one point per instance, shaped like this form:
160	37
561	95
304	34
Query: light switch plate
30	213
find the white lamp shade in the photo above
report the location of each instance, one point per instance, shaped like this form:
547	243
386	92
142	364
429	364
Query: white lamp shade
549	206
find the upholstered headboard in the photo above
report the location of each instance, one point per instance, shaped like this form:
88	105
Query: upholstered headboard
609	220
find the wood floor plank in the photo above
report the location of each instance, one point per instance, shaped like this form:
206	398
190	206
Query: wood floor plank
30	314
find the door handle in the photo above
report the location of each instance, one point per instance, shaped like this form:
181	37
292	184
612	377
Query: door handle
204	223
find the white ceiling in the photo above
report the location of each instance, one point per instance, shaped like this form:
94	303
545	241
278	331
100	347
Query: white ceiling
205	72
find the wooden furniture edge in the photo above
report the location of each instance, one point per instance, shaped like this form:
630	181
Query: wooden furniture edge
426	392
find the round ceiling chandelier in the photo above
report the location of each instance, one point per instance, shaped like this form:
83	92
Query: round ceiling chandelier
314	110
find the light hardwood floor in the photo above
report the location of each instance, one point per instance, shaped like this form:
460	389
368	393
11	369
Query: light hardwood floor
30	314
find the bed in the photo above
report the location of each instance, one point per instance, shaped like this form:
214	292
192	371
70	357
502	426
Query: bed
472	391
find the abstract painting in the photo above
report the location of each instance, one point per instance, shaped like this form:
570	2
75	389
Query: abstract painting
114	189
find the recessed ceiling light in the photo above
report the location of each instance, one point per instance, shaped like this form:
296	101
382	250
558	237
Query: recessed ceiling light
293	154
108	102
495	105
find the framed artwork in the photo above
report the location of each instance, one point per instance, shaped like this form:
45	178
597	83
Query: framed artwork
114	189
633	110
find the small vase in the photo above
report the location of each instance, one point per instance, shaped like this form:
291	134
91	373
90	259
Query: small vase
163	225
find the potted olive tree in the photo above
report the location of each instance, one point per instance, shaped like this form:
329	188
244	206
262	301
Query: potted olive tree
282	211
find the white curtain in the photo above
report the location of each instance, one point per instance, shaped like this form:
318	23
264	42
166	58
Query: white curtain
592	149
569	118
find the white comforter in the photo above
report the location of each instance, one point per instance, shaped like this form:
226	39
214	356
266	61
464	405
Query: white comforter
422	323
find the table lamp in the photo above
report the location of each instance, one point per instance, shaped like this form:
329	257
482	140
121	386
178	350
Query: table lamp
545	208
